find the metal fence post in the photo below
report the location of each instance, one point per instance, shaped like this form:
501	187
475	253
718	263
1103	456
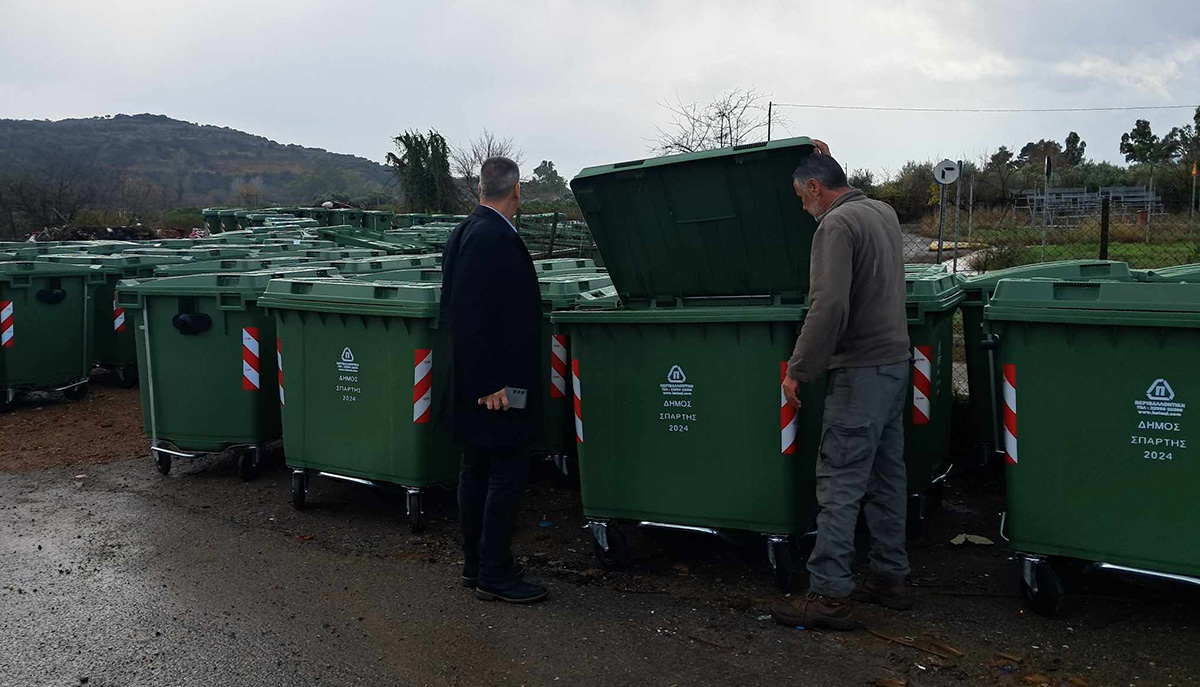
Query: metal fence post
1104	217
553	232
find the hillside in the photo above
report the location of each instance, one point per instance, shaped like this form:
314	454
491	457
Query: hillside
188	164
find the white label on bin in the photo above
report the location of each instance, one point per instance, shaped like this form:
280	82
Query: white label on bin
1160	401
347	387
677	412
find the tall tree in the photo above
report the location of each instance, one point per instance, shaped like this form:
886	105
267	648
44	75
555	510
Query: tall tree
732	118
421	163
467	160
1073	153
546	183
1142	145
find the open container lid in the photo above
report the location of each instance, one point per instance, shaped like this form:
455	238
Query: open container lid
377	297
1096	302
719	223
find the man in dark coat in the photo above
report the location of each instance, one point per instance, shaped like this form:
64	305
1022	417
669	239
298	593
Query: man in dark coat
492	306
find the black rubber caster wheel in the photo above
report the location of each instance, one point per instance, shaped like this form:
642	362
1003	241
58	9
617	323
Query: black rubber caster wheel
414	501
248	464
1048	596
782	556
77	392
299	489
128	376
162	463
617	554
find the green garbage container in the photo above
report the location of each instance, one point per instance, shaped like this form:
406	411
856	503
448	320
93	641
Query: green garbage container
198	254
235	265
228	219
982	379
923	268
930	303
552	266
365	391
561	292
377	220
598	299
208	381
212	219
1098	439
113	345
37	252
339	253
680	422
348	216
1189	274
392	267
45	328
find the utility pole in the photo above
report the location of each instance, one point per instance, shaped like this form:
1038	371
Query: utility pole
971	208
770	108
1046	207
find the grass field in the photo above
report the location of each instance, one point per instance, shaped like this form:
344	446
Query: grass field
1139	255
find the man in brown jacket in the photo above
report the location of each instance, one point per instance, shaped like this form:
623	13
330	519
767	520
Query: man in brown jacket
857	331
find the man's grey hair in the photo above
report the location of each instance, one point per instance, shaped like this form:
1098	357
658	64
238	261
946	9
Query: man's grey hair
497	177
824	169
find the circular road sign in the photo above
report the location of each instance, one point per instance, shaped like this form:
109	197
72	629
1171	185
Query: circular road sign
946	172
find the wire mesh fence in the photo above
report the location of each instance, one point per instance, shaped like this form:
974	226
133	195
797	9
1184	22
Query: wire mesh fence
978	240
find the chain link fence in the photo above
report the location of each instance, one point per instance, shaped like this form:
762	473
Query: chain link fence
1064	224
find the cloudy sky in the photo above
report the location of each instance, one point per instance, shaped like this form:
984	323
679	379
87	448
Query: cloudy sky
580	82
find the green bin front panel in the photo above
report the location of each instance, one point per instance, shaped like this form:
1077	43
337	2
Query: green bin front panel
680	421
45	330
977	291
349	403
204	397
1103	430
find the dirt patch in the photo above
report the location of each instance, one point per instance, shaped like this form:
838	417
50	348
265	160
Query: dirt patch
47	431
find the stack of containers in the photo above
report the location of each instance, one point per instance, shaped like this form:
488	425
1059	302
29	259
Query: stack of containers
45	327
1100	469
983	376
228	219
364	385
208	379
679	416
377	220
212	219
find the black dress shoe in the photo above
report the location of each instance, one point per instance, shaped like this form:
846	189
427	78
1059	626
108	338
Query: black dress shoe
518	592
470	574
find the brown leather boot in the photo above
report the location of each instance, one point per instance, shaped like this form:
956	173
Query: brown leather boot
815	611
886	592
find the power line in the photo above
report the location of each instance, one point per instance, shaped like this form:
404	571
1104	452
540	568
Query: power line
981	109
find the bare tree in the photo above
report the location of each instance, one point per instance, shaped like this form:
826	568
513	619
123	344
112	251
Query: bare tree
733	118
466	160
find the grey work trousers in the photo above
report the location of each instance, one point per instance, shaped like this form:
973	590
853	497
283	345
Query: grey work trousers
862	455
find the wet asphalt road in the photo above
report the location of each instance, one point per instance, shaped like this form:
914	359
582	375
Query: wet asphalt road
118	588
113	574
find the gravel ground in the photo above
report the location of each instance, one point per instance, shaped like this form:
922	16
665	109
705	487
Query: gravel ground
115	575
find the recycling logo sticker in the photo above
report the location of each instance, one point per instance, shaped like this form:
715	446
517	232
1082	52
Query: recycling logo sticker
676	384
347	364
1160	401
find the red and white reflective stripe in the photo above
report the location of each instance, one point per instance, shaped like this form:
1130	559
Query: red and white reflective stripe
575	393
787	417
1010	414
6	324
279	366
118	317
422	386
922	373
250	365
558	366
